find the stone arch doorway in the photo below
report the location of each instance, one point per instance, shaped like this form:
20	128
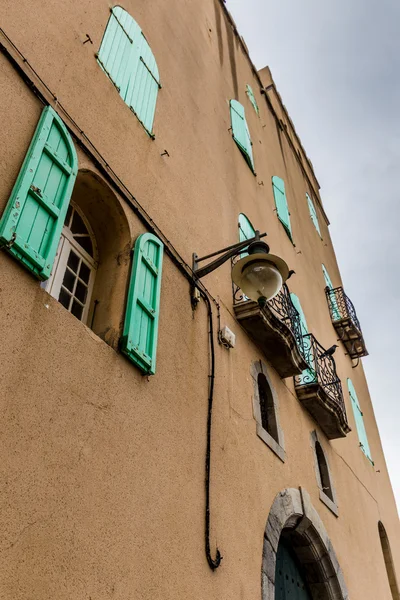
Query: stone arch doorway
296	541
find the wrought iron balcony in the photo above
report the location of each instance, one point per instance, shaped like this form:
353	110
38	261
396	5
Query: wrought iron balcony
275	329
320	391
345	321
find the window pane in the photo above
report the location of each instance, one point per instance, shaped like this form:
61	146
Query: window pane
81	291
78	226
84	272
64	298
77	309
73	261
86	244
68	217
69	280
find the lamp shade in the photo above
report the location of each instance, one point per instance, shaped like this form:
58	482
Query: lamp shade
260	276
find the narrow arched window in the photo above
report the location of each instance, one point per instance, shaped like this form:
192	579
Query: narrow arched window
126	57
323	471
359	419
246	230
387	556
267	407
75	265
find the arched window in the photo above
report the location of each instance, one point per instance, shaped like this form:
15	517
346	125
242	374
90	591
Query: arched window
323	471
358	417
323	475
267	407
75	265
126	57
387	555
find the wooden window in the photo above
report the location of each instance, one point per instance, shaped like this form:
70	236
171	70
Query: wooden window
31	224
281	204
313	214
72	278
359	419
139	342
252	99
240	132
126	57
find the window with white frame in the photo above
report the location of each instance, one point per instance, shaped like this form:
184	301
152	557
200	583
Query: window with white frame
71	281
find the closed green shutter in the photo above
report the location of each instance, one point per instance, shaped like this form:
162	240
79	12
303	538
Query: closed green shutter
358	417
31	225
240	132
252	99
308	375
282	209
126	57
313	214
335	308
139	340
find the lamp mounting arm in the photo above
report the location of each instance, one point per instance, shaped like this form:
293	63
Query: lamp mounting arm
229	252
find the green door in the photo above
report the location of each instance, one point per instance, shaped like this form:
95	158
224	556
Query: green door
308	375
333	302
290	582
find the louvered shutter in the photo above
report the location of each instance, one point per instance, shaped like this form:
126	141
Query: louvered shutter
252	99
308	375
358	417
281	204
313	214
240	132
139	340
126	57
31	225
333	302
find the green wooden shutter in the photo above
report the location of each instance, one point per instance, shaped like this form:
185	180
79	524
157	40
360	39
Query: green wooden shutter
139	341
308	375
31	224
240	132
246	230
358	417
313	214
282	209
126	57
252	99
335	308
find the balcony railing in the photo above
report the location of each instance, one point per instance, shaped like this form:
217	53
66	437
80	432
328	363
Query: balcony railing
345	321
275	329
319	389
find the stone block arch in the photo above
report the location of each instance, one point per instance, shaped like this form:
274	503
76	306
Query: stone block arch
293	515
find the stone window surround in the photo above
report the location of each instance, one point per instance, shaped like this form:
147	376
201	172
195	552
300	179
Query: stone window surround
278	447
331	504
292	510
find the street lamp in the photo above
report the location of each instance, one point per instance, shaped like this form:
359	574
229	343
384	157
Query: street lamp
259	274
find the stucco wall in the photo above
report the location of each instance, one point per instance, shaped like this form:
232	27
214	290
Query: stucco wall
103	469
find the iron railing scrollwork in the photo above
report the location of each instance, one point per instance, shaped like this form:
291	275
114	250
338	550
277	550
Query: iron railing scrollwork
340	306
322	371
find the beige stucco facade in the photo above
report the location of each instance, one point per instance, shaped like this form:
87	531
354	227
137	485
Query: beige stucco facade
102	471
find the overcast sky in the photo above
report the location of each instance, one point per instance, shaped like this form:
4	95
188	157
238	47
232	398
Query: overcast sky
337	67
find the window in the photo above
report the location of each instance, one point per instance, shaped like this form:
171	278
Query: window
246	231
387	556
72	278
358	416
126	57
265	409
332	298
139	342
240	132
282	209
313	214
252	99
324	480
31	224
308	375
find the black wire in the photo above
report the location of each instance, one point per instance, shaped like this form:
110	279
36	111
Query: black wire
213	563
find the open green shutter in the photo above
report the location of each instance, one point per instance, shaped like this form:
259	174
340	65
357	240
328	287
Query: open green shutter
333	302
252	99
313	214
308	375
139	340
358	417
282	210
246	231
31	224
126	57
240	132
